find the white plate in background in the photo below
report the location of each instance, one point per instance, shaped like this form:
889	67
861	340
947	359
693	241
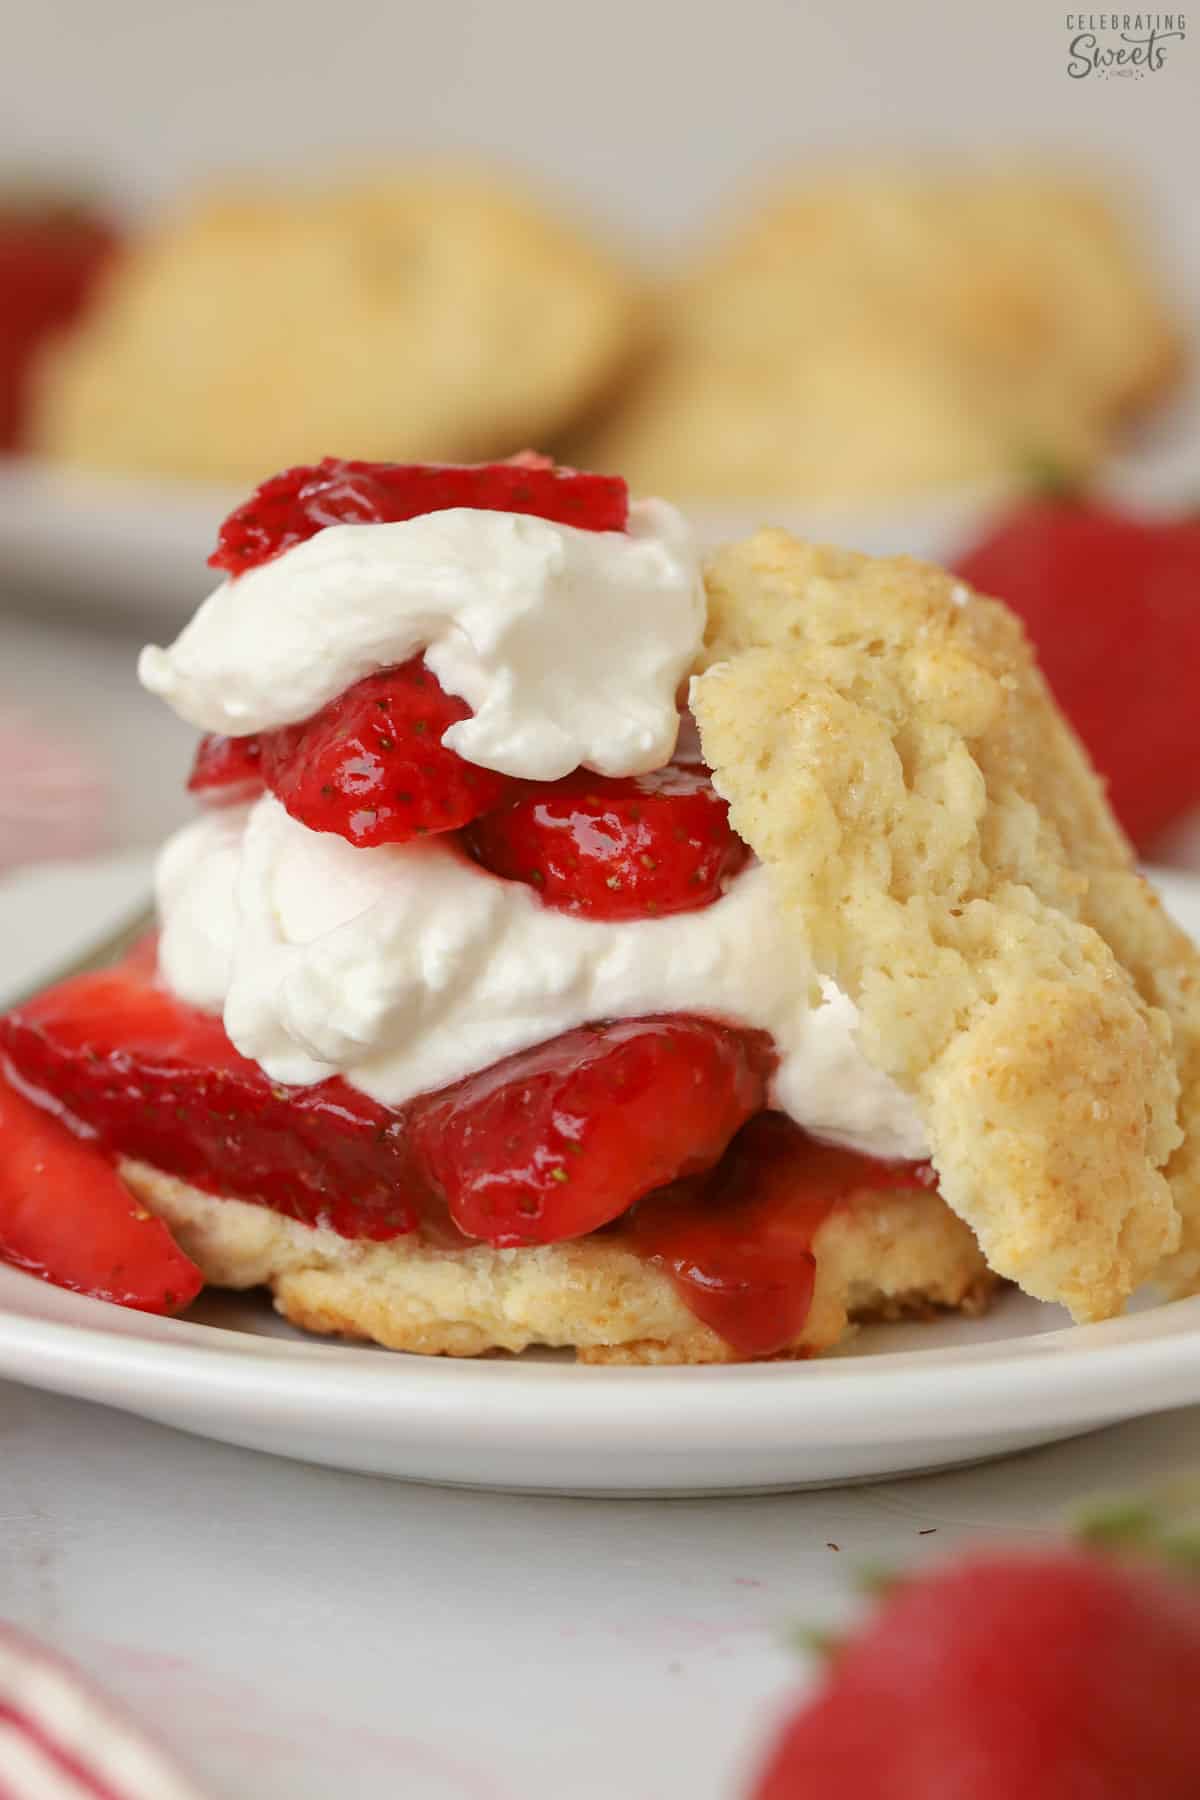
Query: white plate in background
104	543
123	543
900	1398
100	543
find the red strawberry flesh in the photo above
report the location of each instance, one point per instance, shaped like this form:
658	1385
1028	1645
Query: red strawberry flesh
625	848
1112	604
296	504
160	1082
66	1216
556	1141
227	771
371	766
547	1144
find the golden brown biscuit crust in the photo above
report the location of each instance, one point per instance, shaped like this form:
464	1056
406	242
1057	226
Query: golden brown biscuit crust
891	751
878	1255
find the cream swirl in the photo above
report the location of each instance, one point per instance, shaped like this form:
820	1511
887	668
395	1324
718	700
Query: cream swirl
569	645
405	967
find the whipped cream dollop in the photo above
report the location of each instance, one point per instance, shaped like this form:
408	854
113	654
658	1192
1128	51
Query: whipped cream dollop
568	645
405	967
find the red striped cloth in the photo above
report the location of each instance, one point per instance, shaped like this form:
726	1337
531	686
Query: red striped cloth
61	1740
53	803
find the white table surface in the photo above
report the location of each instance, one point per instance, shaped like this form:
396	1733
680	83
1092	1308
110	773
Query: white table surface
293	1634
296	1634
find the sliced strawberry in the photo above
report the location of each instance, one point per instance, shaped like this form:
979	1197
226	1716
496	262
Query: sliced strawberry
1112	603
159	1081
737	1242
66	1215
227	770
298	503
547	1144
556	1141
372	767
626	848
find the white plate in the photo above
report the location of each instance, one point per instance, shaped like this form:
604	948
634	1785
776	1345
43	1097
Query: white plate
901	1398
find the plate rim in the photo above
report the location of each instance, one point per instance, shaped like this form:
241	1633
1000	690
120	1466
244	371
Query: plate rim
1142	1362
1145	1361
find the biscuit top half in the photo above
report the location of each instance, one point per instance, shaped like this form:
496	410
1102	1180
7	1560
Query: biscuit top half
891	752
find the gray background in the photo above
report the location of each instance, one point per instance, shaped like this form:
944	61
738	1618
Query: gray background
649	112
647	109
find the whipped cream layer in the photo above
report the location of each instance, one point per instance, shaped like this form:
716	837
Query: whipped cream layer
406	967
568	645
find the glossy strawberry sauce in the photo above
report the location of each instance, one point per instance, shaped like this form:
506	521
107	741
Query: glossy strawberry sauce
124	1063
738	1242
653	1129
548	1144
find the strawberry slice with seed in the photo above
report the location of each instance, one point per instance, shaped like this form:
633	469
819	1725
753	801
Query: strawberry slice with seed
556	1141
296	504
630	847
66	1215
372	767
159	1081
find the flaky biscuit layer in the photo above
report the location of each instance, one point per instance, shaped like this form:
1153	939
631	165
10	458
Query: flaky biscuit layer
877	1255
891	751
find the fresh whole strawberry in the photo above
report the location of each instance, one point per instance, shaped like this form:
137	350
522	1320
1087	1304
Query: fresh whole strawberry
51	254
158	1081
1112	604
629	847
66	1216
556	1141
299	502
1055	1675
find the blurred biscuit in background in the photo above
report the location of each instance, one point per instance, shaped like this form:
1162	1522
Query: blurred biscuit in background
435	314
867	331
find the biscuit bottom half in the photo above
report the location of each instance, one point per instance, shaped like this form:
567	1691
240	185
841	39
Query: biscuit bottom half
879	1255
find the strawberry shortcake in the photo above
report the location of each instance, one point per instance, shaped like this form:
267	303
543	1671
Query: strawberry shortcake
576	947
